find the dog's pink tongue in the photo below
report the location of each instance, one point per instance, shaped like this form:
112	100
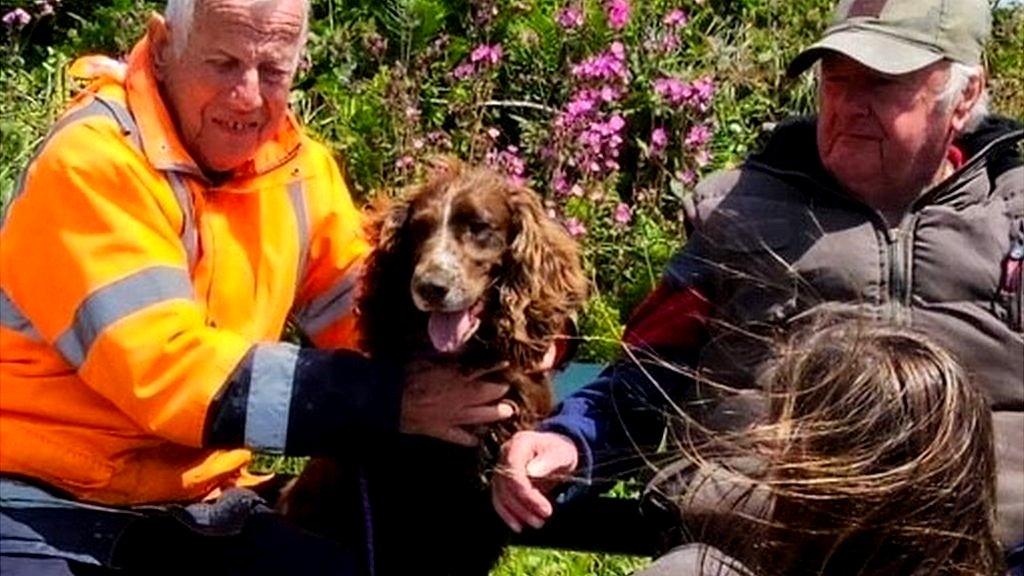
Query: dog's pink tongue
450	330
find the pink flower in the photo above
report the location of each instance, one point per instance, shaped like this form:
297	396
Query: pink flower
404	162
560	184
486	54
669	43
570	18
623	214
16	19
672	90
463	71
575	228
618	13
698	136
606	66
704	91
676	18
659	140
687	177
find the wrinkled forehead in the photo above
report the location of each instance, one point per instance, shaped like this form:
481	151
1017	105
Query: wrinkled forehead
278	22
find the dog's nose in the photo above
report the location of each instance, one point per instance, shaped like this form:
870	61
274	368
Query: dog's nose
431	291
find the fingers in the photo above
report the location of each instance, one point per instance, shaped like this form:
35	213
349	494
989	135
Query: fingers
484	414
522	513
518	486
503	512
487	371
457	435
513	512
486	393
530	502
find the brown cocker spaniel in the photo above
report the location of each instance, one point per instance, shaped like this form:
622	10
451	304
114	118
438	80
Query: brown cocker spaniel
468	268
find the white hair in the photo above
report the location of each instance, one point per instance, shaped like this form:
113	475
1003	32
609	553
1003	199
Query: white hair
179	15
960	75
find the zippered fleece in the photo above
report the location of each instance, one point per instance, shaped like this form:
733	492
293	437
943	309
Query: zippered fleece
778	236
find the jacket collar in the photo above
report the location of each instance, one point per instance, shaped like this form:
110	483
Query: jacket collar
160	141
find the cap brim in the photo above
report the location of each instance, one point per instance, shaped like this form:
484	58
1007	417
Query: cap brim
881	52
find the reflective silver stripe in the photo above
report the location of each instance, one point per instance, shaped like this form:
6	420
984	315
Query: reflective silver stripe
189	237
124	119
296	192
118	300
330	306
98	107
270	396
12	318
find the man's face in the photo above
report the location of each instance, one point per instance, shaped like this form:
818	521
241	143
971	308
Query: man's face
228	90
883	137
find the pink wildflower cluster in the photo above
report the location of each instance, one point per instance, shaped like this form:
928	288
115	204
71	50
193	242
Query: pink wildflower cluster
483	57
667	40
510	162
618	13
608	66
574	227
659	141
696	95
570	18
18	18
623	214
589	125
676	19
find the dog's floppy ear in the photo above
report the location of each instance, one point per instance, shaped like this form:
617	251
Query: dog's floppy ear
389	224
545	284
383	289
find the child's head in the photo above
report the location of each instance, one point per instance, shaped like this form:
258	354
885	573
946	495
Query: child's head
879	454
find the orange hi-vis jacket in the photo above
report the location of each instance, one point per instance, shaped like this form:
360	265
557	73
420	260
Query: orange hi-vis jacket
131	287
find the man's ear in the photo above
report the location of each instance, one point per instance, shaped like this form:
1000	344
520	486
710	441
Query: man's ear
159	42
967	100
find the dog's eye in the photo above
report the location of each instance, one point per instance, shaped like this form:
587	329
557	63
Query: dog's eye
420	228
479	228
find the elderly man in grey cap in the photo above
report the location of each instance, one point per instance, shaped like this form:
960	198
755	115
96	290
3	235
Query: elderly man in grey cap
903	197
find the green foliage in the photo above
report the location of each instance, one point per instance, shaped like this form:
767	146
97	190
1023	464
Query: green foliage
535	562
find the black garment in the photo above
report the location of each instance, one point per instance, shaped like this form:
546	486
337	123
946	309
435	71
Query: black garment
44	533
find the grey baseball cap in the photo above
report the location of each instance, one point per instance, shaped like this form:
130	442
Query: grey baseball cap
901	36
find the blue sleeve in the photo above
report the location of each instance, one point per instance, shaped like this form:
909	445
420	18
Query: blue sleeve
618	421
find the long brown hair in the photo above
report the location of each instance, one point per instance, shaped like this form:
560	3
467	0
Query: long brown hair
876	457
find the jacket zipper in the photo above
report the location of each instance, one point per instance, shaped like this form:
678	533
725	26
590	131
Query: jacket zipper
1013	282
899	250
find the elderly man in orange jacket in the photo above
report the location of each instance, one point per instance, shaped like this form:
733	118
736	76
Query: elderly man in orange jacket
171	224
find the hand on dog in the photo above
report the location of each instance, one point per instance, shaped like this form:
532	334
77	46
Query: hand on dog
532	464
441	401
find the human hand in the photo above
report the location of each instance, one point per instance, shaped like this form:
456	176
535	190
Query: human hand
439	400
532	463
